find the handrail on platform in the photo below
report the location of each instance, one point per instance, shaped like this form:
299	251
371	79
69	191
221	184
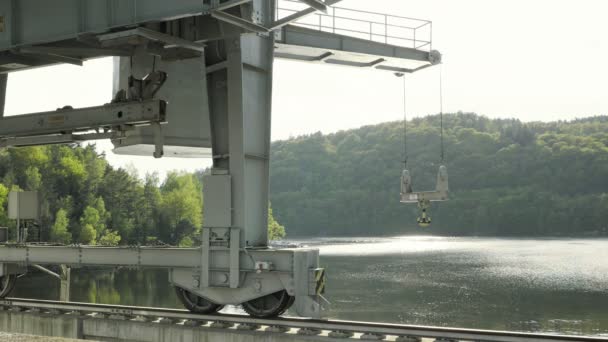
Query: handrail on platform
379	27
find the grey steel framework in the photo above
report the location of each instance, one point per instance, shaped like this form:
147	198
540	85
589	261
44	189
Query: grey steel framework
348	330
191	79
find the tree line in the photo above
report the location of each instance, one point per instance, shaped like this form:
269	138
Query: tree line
507	178
85	200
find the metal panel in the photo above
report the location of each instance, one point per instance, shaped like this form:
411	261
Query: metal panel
23	205
304	262
95	14
217	210
41	21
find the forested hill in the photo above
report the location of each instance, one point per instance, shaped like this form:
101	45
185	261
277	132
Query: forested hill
506	178
85	200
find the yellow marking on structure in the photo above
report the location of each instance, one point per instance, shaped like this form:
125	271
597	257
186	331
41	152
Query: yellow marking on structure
320	281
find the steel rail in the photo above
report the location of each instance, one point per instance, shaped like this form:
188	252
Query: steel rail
337	328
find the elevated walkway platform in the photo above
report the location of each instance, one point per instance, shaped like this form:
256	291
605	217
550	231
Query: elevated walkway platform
310	45
355	38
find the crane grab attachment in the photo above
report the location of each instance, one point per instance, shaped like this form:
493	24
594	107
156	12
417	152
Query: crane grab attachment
424	198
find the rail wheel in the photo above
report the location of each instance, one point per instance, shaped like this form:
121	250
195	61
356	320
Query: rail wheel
272	305
195	303
7	283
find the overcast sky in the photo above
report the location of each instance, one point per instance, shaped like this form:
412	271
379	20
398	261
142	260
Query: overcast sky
532	60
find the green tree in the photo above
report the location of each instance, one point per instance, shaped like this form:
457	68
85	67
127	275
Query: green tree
149	209
91	225
122	196
109	238
182	204
186	241
59	230
33	179
275	230
87	234
104	215
3	200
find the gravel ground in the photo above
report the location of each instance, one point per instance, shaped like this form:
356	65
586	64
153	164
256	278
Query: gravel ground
10	337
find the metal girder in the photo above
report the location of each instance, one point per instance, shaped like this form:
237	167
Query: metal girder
404	70
316	4
143	257
49	56
172	41
230	4
73	51
298	15
415	197
57	139
47	271
83	119
240	22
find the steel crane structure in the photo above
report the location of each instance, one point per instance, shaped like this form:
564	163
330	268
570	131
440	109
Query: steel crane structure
193	78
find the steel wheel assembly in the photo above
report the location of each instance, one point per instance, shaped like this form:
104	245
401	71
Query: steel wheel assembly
195	303
271	305
7	283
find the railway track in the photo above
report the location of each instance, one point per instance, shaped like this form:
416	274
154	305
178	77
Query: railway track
285	325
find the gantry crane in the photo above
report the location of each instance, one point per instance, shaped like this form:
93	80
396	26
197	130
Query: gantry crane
193	78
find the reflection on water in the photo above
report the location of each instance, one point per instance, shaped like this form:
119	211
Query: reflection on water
506	284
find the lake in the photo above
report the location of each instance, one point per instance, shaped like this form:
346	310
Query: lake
539	285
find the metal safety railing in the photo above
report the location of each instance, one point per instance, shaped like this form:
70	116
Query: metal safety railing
373	26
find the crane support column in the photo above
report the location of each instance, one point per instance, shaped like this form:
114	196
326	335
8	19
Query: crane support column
240	98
